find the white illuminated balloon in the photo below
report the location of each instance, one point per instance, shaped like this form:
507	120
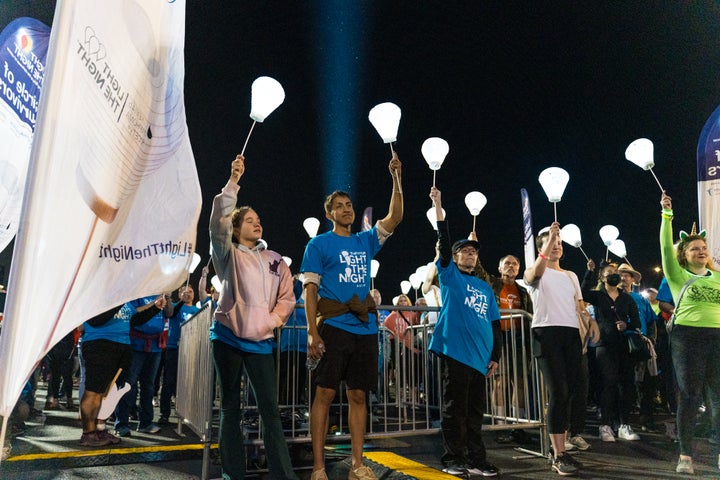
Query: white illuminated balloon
194	262
416	280
287	260
642	153
553	181
216	283
385	117
432	217
434	150
570	234
311	226
608	233
405	286
374	267
617	247
267	95
475	202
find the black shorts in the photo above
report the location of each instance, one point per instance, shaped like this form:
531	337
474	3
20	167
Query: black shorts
349	357
102	360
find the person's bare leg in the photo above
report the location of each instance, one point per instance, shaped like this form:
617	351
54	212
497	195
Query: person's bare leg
319	424
89	409
357	420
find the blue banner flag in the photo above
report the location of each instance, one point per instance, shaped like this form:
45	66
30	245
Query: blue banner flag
708	174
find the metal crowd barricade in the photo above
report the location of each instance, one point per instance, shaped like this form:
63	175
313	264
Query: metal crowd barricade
196	380
408	400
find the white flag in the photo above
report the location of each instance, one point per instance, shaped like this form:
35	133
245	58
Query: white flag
112	199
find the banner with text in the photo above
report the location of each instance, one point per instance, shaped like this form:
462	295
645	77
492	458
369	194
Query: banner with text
708	174
112	199
23	47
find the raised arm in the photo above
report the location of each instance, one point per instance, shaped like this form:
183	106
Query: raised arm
396	208
535	272
221	228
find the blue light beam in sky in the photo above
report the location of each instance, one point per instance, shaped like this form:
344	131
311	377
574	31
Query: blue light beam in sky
340	52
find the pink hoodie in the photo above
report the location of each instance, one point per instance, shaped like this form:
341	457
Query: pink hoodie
257	294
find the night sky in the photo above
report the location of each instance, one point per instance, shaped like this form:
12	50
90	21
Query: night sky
514	87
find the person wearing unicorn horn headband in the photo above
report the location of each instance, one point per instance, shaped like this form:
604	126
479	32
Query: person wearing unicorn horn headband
695	327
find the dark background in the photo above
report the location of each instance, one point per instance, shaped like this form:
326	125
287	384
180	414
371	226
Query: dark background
514	87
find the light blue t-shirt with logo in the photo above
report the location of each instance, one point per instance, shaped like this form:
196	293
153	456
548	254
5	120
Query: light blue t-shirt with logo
344	265
464	328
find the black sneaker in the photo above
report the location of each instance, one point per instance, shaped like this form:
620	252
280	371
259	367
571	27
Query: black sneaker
564	465
486	470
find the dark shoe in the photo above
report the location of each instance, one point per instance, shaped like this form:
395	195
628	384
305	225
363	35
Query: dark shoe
564	465
122	431
152	428
504	437
93	439
486	470
163	420
109	436
456	469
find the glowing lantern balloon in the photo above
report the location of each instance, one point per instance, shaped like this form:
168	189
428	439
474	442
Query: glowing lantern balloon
374	267
554	180
287	260
194	262
311	226
385	117
405	286
617	247
434	150
475	202
641	153
216	283
266	95
608	233
570	234
416	280
432	216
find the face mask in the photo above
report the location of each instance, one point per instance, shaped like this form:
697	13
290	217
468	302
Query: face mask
613	279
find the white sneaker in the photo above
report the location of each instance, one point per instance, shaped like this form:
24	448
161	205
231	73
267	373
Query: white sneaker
577	442
625	432
606	433
568	445
685	466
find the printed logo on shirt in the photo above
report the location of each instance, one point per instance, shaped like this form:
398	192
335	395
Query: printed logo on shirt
702	293
476	300
274	266
356	268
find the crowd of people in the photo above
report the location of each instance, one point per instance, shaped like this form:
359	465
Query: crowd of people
582	334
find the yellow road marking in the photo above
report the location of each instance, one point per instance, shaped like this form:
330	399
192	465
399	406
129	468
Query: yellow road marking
108	451
407	466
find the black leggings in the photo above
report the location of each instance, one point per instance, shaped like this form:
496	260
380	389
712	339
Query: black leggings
558	350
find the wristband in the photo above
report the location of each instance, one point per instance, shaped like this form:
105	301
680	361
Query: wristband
666	213
544	257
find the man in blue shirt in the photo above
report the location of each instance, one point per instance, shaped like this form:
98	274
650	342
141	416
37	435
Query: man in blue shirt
336	268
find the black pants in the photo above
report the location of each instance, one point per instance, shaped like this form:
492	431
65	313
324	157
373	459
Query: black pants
462	414
558	350
617	371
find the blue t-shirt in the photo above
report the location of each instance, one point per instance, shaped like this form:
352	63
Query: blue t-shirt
464	328
153	327
221	333
664	294
344	264
181	315
117	329
647	314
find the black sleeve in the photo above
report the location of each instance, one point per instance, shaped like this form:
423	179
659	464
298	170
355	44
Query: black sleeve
444	241
102	318
497	341
144	316
588	281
